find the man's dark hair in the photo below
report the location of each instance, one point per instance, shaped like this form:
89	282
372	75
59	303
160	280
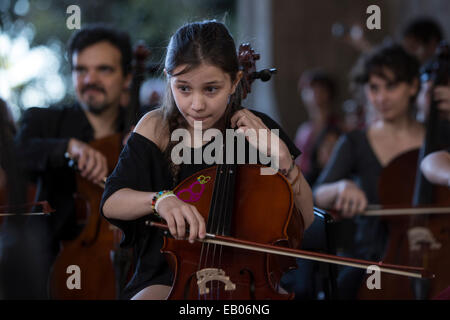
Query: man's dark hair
95	33
423	29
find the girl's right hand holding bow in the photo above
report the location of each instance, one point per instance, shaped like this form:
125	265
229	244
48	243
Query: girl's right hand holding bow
176	213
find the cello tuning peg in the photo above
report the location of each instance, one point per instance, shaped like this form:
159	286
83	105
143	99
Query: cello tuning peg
265	74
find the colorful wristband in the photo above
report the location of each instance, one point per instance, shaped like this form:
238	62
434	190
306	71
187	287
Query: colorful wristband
296	178
285	172
159	196
165	195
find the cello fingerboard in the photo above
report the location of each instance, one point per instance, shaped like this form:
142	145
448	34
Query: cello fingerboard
221	210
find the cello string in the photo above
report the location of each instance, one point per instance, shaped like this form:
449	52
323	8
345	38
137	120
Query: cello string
218	213
227	207
220	221
203	254
200	267
203	263
222	214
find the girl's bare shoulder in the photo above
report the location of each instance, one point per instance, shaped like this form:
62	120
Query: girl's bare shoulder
153	126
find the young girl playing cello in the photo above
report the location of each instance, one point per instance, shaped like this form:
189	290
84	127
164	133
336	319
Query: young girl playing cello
203	76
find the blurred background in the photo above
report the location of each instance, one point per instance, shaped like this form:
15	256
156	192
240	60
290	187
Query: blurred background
291	35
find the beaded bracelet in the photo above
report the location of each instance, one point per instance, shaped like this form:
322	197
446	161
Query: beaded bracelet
285	172
165	195
296	178
156	197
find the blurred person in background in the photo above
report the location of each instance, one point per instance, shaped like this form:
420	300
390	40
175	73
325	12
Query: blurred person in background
317	136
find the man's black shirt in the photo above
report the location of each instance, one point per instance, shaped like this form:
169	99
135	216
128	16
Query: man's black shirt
42	140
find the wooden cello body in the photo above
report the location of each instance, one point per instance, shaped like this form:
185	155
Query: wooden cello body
420	241
84	267
261	210
95	253
236	201
3	193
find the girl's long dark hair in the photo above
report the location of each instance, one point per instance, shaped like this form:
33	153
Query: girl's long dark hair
195	43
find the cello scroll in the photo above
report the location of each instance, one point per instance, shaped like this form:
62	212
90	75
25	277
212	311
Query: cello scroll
247	60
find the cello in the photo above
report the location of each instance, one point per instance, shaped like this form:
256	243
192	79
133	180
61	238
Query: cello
422	236
3	194
12	184
89	253
435	254
251	221
20	276
218	185
95	253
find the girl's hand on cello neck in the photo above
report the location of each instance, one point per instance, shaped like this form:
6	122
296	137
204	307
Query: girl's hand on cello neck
244	120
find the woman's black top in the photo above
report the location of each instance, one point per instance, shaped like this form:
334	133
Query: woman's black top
353	158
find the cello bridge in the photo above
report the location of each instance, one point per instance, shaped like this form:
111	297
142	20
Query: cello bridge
213	274
419	236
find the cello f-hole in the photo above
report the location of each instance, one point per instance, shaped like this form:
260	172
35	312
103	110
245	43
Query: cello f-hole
187	287
252	282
